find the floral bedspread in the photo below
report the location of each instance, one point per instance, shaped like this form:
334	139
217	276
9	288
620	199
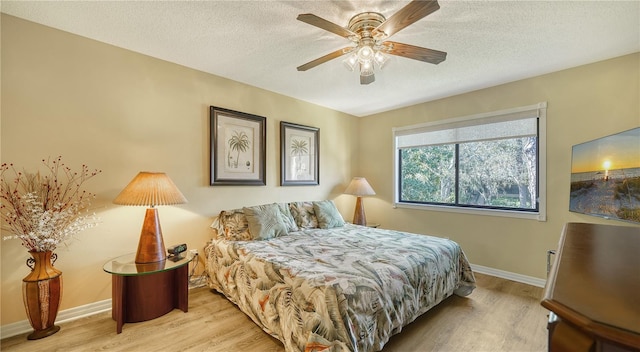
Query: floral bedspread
342	289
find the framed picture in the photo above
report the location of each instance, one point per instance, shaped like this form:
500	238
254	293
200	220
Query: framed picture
299	155
238	143
605	177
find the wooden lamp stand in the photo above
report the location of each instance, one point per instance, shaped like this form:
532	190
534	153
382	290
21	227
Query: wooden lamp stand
151	244
358	215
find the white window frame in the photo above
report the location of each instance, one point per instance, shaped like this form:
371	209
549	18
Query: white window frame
540	109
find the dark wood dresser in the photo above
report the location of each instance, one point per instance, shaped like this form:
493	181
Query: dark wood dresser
593	289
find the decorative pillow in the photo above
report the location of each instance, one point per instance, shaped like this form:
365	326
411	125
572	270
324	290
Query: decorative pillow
234	226
287	218
304	214
217	228
265	221
327	214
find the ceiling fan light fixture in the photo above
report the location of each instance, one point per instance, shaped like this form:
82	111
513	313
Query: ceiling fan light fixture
365	53
380	59
351	61
366	69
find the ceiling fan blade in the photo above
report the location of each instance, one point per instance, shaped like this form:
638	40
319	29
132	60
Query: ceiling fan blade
323	59
414	11
326	25
367	79
414	52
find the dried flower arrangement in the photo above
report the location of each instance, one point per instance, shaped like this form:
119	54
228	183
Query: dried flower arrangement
44	210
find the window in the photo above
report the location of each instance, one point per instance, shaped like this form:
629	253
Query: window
490	163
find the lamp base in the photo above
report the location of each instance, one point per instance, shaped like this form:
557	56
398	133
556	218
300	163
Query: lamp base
358	216
151	245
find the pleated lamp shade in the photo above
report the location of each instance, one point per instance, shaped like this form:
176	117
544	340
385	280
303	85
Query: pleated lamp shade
150	189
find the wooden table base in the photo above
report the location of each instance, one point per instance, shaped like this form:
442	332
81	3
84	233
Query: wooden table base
145	297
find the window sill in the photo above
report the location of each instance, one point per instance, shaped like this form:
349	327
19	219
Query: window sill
486	212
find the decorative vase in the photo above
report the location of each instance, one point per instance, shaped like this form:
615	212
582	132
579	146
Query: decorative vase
42	293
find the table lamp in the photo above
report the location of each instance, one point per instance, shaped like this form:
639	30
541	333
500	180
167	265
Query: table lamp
359	187
150	189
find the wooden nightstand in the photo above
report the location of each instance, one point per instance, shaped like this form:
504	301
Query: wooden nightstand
142	292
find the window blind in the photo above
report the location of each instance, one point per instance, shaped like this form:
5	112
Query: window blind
508	124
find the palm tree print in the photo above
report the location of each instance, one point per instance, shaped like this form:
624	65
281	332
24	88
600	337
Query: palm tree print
239	142
298	148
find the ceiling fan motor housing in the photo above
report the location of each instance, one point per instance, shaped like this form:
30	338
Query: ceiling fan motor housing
364	23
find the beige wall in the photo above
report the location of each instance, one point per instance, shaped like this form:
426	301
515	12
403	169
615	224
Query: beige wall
584	103
123	112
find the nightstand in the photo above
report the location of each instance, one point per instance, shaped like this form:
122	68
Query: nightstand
142	292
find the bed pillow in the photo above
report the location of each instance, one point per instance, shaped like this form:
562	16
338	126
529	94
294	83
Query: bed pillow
287	218
233	225
327	214
217	228
304	214
265	221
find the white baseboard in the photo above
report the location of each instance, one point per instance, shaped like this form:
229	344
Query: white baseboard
67	315
64	316
529	280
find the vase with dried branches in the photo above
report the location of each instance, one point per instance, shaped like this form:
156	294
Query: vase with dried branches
43	210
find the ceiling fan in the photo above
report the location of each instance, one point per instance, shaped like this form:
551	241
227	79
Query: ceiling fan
368	31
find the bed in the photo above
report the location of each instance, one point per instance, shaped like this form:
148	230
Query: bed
317	283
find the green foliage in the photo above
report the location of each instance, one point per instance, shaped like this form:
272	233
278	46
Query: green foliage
428	174
629	214
497	173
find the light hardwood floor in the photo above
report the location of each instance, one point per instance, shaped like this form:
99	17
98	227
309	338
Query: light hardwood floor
500	315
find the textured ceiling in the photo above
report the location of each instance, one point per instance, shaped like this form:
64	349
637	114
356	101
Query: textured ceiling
261	43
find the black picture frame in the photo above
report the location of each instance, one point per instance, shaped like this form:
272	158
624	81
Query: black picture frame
238	148
299	155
